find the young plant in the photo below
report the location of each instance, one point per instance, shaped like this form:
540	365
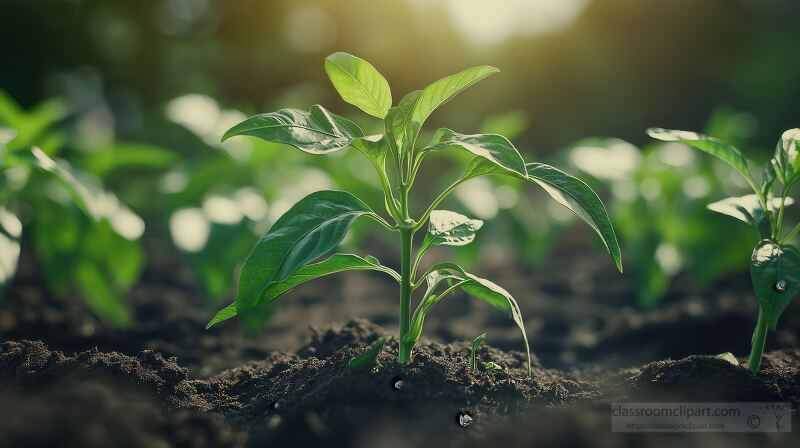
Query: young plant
775	264
317	223
473	348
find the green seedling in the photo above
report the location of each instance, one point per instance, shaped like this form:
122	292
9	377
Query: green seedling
774	264
313	227
490	365
474	348
367	359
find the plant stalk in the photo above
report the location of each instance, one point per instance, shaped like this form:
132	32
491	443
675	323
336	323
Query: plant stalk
757	346
406	241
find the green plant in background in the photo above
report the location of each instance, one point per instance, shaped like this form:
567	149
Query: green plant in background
83	236
657	197
775	264
316	224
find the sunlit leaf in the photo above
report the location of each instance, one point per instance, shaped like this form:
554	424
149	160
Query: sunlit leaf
748	209
491	147
359	83
775	272
787	157
443	90
450	229
715	147
316	131
574	194
311	228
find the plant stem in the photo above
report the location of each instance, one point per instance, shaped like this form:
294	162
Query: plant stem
757	343
406	242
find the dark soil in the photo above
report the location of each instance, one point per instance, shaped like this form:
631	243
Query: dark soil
68	380
94	398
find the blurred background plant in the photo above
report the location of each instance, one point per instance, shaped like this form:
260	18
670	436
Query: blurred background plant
172	75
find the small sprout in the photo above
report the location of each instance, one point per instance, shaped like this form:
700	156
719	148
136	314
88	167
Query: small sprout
774	263
728	356
474	348
285	256
490	365
367	359
464	419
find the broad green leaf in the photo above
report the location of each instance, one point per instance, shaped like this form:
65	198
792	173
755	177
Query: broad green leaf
450	229
443	90
787	157
715	147
770	264
311	228
359	83
492	147
397	124
748	209
316	131
568	191
335	263
367	359
10	233
574	194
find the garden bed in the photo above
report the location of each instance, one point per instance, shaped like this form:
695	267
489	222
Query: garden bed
167	382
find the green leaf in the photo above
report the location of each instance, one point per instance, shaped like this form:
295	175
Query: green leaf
359	83
479	288
335	263
374	147
568	191
397	124
499	298
87	196
474	348
727	153
772	263
491	147
443	90
787	157
367	359
748	209
450	229
311	228
10	233
574	194
222	315
316	131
